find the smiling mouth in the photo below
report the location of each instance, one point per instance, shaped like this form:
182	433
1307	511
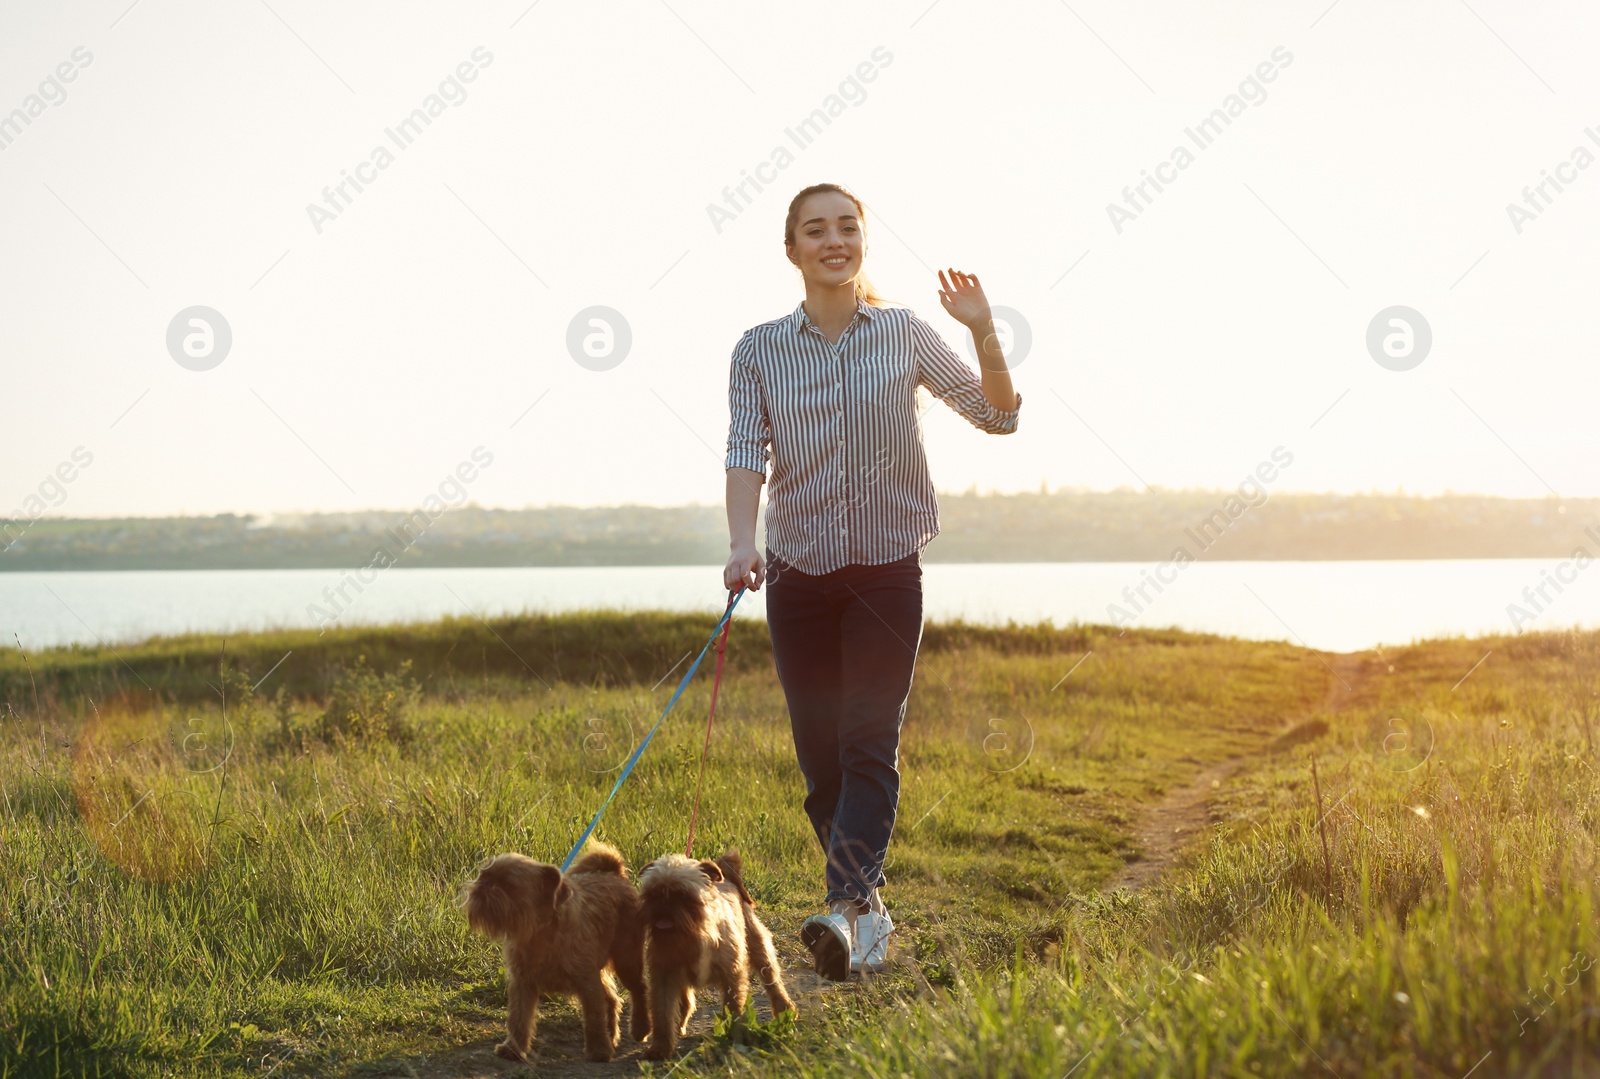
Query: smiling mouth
835	262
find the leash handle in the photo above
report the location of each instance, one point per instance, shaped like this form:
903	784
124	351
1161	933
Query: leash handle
705	751
651	733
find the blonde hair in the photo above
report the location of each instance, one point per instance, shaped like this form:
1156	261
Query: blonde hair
864	290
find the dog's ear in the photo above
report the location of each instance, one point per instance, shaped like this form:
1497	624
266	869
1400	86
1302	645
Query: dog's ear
563	893
550	886
712	870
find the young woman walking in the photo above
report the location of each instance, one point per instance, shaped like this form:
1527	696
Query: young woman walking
827	393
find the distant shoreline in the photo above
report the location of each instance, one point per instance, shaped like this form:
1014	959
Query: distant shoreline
1056	527
704	564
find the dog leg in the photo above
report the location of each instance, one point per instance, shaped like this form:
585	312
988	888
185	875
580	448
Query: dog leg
686	1005
600	1008
735	993
630	971
666	997
614	1019
627	958
522	1016
762	956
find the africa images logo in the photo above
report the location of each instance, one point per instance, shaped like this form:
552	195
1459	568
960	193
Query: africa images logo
1539	197
1252	493
802	135
451	92
1252	91
451	493
51	92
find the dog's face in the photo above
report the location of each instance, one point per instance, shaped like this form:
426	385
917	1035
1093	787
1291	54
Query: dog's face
513	896
673	893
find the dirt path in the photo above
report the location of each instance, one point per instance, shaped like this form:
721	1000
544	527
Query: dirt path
1182	815
558	1046
1166	827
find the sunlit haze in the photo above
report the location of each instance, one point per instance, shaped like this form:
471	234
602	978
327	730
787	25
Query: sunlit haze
1371	157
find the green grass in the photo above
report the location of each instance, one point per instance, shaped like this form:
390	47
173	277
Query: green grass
183	893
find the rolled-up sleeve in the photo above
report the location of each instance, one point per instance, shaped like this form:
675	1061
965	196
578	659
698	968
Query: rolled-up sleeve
956	384
749	427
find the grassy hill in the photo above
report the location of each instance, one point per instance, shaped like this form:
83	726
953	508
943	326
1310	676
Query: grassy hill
1386	864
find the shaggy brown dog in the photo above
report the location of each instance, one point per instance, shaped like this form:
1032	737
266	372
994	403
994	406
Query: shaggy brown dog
701	930
561	933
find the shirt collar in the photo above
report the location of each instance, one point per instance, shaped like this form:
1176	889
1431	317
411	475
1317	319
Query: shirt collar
799	319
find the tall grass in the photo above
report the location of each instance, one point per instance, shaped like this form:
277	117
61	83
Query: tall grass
1452	924
214	879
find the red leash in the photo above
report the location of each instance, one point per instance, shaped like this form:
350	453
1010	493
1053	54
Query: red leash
722	645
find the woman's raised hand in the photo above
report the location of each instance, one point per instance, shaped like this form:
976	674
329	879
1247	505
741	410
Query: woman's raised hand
962	296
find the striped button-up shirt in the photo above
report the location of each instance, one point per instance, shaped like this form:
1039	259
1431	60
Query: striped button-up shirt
840	425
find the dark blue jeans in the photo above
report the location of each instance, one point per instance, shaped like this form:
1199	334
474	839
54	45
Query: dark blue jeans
845	645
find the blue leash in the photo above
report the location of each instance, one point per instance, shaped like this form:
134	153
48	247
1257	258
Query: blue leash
637	753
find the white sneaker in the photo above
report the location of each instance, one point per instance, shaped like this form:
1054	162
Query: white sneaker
833	951
871	945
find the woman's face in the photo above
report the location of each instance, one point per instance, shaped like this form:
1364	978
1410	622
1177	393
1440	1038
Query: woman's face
828	244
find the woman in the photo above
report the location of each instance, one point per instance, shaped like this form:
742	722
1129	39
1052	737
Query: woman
828	394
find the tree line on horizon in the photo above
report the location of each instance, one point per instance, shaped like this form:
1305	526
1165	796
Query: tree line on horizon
1058	526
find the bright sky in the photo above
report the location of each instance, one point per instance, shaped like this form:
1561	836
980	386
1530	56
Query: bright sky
430	316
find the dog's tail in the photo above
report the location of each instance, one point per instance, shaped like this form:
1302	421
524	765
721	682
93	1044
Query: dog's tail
733	872
600	858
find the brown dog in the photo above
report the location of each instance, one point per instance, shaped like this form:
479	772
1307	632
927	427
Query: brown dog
701	929
561	933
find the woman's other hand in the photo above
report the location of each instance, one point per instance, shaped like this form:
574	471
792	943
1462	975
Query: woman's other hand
745	567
